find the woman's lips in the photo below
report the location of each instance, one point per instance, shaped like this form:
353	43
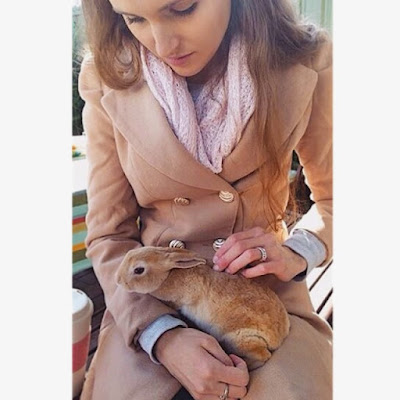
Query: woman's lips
178	61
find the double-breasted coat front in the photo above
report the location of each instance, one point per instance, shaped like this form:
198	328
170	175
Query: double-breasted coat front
138	168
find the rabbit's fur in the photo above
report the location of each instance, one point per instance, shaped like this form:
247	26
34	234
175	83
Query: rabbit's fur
246	318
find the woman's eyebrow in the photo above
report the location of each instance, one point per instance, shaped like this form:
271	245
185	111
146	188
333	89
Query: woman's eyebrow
164	7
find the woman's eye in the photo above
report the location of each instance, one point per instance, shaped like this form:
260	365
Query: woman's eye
133	20
187	11
137	20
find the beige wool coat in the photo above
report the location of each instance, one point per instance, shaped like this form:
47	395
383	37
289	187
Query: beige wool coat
138	168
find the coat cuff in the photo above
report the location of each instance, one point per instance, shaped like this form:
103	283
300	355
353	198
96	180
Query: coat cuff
152	333
309	247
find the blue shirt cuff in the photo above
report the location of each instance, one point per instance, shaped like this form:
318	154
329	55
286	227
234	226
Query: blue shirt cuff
152	333
309	247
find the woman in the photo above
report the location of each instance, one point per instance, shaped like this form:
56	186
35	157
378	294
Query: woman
193	111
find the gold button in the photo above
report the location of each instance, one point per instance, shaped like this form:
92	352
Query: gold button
217	244
181	201
177	244
227	197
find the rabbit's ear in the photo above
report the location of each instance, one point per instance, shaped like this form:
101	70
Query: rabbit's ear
185	259
190	263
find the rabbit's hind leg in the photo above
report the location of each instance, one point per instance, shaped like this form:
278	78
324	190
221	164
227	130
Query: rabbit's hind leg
248	344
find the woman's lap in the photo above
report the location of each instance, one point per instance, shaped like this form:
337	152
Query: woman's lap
301	369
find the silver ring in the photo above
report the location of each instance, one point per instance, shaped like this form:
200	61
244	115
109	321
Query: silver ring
263	253
226	392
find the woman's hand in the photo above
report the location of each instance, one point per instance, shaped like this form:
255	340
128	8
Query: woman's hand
240	250
198	362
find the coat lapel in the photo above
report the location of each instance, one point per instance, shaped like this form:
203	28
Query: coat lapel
141	120
295	88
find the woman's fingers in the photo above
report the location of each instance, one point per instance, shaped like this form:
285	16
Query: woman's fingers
239	362
240	254
234	392
197	361
261	269
243	260
237	377
214	348
239	250
237	237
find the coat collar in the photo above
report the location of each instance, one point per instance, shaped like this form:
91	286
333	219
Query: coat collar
141	120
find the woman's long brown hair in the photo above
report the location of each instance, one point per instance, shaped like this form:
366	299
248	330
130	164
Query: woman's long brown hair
276	39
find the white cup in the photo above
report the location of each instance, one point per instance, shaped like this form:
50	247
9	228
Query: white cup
82	311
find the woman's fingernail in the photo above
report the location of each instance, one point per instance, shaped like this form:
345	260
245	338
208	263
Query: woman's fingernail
215	259
215	267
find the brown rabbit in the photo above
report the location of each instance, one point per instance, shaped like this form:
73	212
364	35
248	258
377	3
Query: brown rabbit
246	318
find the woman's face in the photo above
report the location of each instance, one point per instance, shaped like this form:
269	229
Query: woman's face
185	34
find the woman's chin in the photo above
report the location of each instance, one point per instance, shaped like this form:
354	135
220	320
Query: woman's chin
185	72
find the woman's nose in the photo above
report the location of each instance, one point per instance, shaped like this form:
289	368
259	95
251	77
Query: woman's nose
166	42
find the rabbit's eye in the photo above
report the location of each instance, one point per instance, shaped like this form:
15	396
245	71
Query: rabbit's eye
138	271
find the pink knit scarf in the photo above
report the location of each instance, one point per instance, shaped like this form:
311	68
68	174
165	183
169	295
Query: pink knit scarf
210	126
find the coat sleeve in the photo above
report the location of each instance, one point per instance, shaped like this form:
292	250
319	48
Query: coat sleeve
112	216
315	153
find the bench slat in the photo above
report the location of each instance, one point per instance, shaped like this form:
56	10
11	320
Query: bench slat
94	336
315	275
327	310
97	318
322	290
92	290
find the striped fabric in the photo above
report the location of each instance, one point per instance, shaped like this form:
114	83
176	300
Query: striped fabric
79	230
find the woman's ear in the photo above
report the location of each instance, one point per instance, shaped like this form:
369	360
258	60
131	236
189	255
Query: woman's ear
184	258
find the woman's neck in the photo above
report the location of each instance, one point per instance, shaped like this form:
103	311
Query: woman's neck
203	76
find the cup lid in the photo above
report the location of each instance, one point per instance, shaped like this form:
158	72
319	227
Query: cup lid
81	304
